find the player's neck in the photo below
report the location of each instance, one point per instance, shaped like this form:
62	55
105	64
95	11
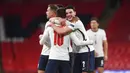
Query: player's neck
53	16
74	20
94	29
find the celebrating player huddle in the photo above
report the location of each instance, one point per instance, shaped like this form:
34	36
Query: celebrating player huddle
64	36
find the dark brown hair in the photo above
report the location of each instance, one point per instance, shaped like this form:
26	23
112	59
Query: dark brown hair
53	7
70	7
61	12
95	18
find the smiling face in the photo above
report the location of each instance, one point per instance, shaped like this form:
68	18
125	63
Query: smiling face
70	14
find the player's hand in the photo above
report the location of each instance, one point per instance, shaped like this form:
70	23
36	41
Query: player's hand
96	54
105	58
40	36
62	21
50	25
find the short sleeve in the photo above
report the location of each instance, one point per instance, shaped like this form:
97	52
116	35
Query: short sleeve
104	35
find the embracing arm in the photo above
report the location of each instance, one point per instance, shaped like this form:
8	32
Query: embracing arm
63	30
79	42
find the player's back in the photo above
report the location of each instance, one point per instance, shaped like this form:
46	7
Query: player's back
59	45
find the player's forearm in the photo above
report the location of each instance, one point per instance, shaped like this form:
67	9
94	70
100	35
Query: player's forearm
42	41
58	29
64	30
79	42
105	49
82	43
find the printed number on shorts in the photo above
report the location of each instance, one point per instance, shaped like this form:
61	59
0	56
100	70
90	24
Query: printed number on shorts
83	62
102	62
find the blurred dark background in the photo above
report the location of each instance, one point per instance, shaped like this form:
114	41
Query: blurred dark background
21	22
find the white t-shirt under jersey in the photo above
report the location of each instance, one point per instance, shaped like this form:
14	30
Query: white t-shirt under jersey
46	49
60	44
98	38
80	32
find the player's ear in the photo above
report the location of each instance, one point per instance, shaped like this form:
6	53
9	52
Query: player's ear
98	24
74	12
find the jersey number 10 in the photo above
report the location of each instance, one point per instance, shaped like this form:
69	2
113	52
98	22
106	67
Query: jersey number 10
58	39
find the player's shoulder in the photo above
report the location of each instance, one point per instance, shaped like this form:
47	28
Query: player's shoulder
79	21
78	24
101	30
47	26
48	22
89	30
67	22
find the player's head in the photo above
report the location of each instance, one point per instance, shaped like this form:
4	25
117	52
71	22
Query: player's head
70	12
51	10
61	12
94	23
60	17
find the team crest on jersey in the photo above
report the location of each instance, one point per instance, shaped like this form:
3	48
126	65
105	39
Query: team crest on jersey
72	25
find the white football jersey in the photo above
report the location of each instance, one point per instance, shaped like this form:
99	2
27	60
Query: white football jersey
46	49
60	44
80	32
98	38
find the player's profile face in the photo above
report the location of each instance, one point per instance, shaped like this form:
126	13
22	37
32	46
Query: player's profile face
49	12
94	24
70	14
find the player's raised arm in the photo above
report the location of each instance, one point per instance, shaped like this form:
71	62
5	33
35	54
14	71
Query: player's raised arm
79	42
